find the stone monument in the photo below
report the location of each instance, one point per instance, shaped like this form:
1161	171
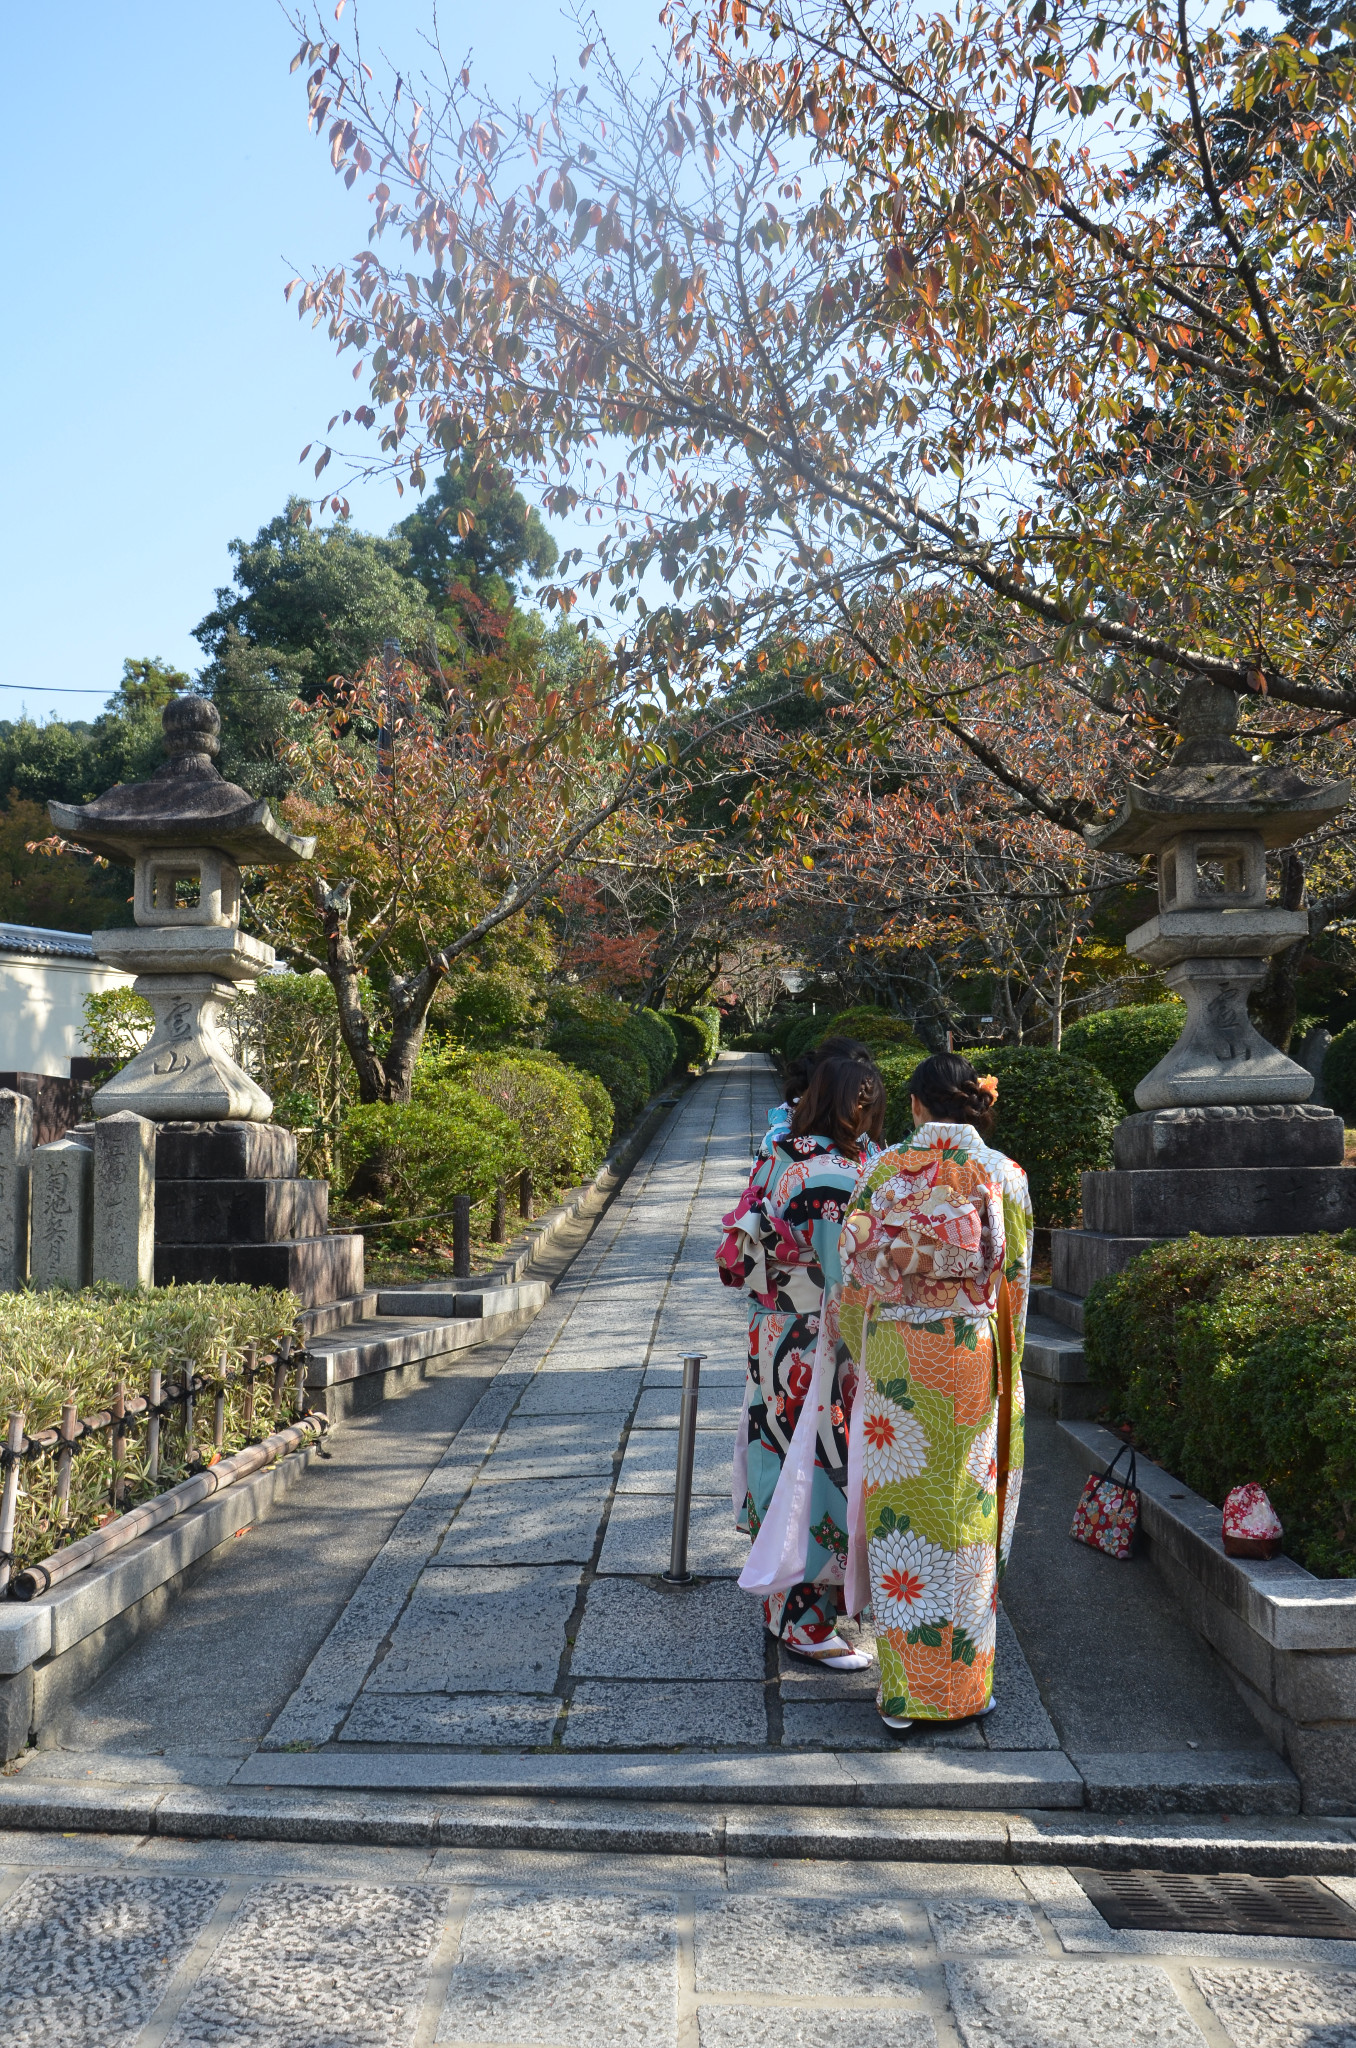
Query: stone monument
227	1199
1226	1141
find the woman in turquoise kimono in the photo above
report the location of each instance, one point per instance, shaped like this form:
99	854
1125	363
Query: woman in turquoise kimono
781	1247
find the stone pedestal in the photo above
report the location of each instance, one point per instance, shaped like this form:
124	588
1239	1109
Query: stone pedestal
16	1154
1224	1170
186	1070
229	1205
124	1201
61	1200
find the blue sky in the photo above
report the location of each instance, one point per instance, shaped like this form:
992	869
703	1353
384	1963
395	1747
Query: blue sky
163	187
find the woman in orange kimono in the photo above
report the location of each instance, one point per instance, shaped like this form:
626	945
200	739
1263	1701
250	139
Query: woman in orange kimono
936	1265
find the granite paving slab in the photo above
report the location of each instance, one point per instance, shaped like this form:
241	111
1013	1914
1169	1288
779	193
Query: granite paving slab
813	1949
640	1529
301	1962
582	1972
549	1521
631	1629
614	1714
87	1957
719	1407
855	1724
1260	2008
484	1629
1053	2005
739	2026
568	1391
471	1720
650	1462
555	1447
991	1927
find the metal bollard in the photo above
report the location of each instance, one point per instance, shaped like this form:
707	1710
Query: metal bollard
678	1573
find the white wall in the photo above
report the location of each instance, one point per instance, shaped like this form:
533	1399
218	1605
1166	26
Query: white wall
42	1010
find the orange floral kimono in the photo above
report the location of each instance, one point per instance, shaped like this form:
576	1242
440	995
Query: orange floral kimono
938	1440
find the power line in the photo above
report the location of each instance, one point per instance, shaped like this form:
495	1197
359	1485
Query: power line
54	690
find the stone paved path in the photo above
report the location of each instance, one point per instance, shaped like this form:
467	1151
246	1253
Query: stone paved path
519	1601
111	1942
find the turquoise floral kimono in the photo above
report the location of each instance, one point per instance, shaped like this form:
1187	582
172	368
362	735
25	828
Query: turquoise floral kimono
781	1248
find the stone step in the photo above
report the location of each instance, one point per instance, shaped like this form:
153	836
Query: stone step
1232	1201
134	1795
380	1343
1058	1307
317	1269
242	1211
1054	1371
337	1315
473	1297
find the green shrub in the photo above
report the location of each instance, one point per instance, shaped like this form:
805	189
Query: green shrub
698	1040
449	1140
595	1098
895	1069
750	1041
1339	1074
546	1105
655	1039
803	1036
604	1038
79	1345
1056	1116
789	1022
491	1007
879	1029
708	1014
1234	1359
1127	1043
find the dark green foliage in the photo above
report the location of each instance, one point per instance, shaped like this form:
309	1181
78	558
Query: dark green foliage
545	1101
879	1029
507	536
789	1024
697	1041
489	1007
324	598
1126	1043
895	1069
654	1037
1339	1074
1056	1116
803	1034
750	1041
1234	1359
596	1034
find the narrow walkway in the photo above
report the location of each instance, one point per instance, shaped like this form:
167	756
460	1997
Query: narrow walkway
511	1631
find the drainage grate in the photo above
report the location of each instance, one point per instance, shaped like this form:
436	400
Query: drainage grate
1166	1902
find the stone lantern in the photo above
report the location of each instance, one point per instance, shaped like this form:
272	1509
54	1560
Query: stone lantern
185	834
190	1180
1226	1141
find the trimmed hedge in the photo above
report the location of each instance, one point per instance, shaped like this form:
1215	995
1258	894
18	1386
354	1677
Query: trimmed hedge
1234	1359
1339	1074
449	1140
879	1029
698	1041
1127	1043
1056	1116
546	1103
601	1036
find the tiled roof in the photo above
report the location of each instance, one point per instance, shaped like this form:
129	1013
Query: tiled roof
37	941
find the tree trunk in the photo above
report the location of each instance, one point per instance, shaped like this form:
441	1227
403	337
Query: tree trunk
1276	1003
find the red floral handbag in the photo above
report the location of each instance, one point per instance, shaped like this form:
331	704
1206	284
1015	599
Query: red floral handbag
1107	1515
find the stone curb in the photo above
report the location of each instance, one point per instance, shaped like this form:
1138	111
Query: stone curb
388	1820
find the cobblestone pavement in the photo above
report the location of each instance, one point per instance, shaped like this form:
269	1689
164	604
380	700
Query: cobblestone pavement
519	1600
111	1942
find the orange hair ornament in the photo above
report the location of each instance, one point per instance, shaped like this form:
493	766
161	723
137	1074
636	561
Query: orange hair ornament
988	1087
